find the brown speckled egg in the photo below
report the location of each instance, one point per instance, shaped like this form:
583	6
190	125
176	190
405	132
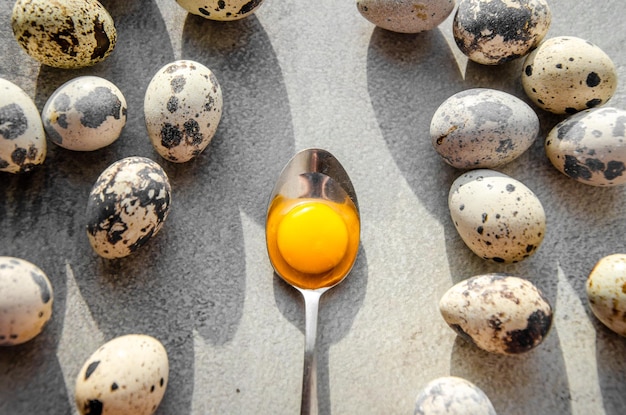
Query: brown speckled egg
221	9
494	32
451	395
22	137
25	301
606	292
498	217
567	74
127	375
64	33
482	128
590	146
499	313
182	108
85	114
412	16
127	206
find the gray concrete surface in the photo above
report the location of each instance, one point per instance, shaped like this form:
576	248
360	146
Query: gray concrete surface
295	75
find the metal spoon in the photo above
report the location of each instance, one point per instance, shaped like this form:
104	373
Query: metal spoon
312	175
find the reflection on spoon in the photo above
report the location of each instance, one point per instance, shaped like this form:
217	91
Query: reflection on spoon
312	233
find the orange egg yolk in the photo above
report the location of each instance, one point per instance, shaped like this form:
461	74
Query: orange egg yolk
312	238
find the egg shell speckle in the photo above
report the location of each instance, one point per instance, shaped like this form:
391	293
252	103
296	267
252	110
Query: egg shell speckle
127	375
64	33
85	114
127	206
567	74
221	9
451	395
606	292
25	301
411	16
182	107
590	146
494	32
498	217
482	128
22	137
499	313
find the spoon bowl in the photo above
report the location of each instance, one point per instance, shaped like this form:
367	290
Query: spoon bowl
312	234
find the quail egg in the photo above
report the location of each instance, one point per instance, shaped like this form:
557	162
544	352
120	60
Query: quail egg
411	16
22	137
221	9
606	292
499	313
64	33
127	206
451	395
25	301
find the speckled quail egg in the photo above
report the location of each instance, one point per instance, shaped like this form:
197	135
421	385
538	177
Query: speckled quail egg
85	114
499	313
494	32
451	395
590	146
22	137
567	74
127	375
606	292
182	107
412	16
25	301
64	33
221	9
482	128
498	217
127	206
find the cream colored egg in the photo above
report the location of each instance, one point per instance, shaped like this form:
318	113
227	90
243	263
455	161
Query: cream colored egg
25	301
606	292
221	9
494	32
499	313
498	217
482	128
567	74
85	114
127	206
451	395
64	33
22	137
182	108
590	146
412	16
127	375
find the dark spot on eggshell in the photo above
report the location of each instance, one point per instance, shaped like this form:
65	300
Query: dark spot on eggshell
97	105
192	132
505	146
204	11
593	102
480	230
171	136
172	104
3	164
249	7
103	43
178	83
614	169
510	188
571	130
593	79
91	368
498	259
221	5
594	165
44	289
93	407
114	387
13	121
520	341
528	70
568	110
66	38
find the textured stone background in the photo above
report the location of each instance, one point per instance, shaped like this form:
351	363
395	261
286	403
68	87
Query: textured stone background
295	75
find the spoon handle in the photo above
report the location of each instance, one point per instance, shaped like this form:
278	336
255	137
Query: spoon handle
309	404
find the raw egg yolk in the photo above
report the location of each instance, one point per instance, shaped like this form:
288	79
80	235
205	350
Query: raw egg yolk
312	238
